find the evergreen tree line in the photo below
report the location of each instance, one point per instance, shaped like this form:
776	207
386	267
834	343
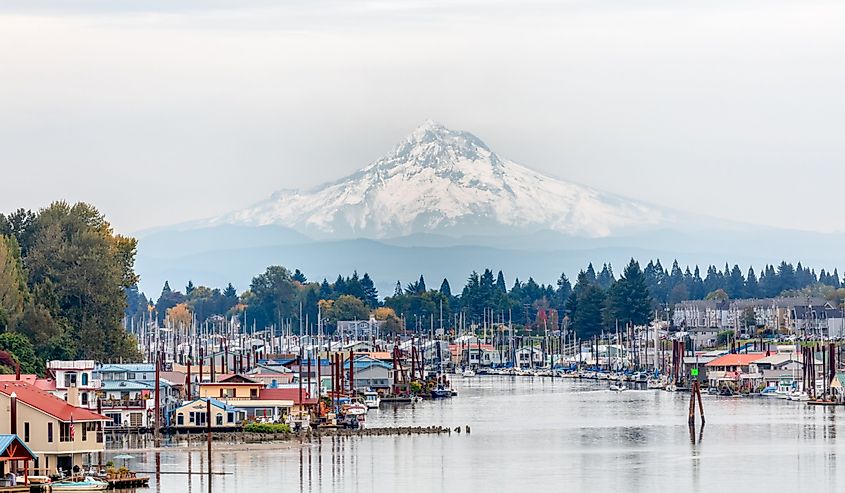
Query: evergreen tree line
599	300
669	287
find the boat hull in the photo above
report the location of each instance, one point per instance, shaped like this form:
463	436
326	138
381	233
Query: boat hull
80	486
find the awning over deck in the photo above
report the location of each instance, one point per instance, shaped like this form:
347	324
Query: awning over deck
13	448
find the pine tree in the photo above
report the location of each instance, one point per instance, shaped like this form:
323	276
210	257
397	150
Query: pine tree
628	300
500	283
325	292
786	278
591	273
752	289
370	291
564	288
587	319
605	278
735	286
339	287
697	291
445	289
189	288
299	276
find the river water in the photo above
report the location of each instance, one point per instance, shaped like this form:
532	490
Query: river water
538	434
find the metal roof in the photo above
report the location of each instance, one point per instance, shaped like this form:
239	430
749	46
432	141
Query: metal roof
7	440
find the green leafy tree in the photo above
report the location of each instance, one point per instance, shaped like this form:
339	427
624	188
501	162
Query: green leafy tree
346	307
13	289
273	293
20	347
717	295
78	270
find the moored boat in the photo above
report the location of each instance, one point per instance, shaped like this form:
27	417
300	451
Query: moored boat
440	392
87	484
799	396
355	409
372	399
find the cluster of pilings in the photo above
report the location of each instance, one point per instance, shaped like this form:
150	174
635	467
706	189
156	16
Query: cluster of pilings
678	350
827	353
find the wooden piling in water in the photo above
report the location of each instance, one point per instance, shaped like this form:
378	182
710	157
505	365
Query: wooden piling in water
695	394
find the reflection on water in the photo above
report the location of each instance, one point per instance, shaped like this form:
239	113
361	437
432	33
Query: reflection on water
537	434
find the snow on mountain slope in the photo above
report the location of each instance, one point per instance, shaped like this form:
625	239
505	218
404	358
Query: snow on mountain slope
447	181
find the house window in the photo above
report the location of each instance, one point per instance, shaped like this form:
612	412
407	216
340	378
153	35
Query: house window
26	432
50	432
219	420
84	431
180	419
84	379
84	396
130	376
253	393
191	417
231	417
64	432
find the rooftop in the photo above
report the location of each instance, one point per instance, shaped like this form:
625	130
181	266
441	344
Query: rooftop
47	403
127	367
740	359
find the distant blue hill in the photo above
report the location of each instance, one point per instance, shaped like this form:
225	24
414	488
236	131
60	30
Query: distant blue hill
217	255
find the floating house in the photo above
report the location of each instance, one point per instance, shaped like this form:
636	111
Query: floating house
59	433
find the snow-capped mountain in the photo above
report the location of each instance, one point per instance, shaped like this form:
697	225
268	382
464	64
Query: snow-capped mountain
445	181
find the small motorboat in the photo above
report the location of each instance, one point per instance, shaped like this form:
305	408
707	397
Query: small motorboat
799	396
770	391
440	392
87	484
355	409
468	372
618	388
372	399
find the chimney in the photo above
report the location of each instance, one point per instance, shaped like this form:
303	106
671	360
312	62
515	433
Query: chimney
17	370
73	395
13	427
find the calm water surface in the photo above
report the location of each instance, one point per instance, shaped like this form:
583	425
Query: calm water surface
541	434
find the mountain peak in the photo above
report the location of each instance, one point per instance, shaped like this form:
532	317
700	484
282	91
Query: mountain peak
433	145
428	131
445	181
430	125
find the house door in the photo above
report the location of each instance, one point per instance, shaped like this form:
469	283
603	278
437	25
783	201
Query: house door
64	462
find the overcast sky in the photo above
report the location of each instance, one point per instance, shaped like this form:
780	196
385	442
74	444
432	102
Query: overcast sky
161	111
